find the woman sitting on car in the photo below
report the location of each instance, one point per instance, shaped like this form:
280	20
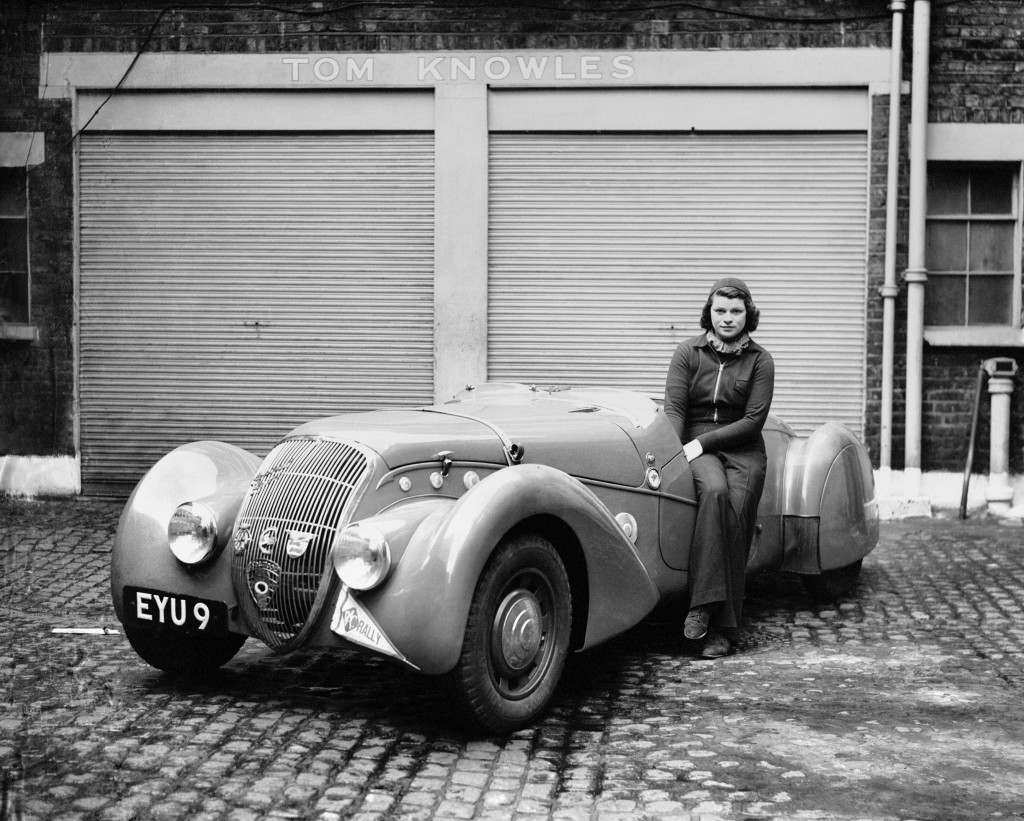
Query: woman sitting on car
717	395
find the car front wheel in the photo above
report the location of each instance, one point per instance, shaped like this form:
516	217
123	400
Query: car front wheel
517	636
194	656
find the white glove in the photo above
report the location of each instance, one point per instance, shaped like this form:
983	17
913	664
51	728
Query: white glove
692	449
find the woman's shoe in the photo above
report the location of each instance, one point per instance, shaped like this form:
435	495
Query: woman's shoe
715	647
695	627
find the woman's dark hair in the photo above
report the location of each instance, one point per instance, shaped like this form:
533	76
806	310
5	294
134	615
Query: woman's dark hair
753	314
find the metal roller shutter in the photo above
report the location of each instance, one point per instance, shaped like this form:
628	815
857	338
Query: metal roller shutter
603	246
234	286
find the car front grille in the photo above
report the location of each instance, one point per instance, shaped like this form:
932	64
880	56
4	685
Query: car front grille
280	565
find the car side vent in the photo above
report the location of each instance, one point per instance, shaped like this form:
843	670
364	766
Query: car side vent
280	565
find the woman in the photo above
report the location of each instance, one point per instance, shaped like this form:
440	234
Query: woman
717	395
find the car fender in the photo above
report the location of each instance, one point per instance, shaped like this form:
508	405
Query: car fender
424	604
830	514
215	473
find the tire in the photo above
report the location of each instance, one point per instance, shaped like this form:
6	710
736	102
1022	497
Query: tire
192	656
833	584
517	636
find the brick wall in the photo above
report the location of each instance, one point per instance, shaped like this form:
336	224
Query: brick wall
976	70
977	62
877	203
950	383
309	26
975	57
36	380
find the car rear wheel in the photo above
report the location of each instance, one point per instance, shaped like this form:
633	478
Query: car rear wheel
517	636
832	584
193	656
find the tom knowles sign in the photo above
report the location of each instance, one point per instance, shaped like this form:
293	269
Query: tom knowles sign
434	68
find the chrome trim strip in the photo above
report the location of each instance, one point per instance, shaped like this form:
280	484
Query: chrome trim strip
506	443
630	489
417	498
392	474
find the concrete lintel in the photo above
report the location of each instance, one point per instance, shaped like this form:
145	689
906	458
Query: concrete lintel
366	110
679	109
976	141
63	72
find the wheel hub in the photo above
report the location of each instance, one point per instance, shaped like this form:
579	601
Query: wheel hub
517	632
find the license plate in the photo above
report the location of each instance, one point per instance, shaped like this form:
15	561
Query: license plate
155	608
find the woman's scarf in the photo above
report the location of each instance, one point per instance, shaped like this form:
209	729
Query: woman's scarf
722	346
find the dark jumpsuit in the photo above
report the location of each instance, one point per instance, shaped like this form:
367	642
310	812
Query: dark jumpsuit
722	401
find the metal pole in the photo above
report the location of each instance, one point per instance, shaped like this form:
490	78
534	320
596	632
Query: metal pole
916	274
1001	372
969	462
890	289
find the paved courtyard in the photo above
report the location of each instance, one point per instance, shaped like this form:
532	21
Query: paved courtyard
903	701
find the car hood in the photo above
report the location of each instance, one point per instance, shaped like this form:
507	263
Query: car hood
405	436
568	431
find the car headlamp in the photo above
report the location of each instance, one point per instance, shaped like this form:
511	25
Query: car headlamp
361	556
192	533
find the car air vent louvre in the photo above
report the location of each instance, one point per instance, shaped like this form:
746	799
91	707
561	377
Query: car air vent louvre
303	492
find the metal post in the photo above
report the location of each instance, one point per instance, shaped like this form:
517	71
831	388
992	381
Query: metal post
890	289
971	440
916	274
1001	372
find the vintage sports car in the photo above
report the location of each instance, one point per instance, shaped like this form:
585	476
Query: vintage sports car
482	539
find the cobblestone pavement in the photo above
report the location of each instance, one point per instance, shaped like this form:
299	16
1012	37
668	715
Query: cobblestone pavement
905	700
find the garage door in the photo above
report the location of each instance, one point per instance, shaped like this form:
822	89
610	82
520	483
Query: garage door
233	286
602	249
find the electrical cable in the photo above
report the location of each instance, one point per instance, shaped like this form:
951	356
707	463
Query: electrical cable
46	80
127	71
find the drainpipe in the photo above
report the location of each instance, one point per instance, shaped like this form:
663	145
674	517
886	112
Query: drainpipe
916	274
890	289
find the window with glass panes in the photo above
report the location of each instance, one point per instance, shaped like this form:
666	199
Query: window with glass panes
14	282
973	245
